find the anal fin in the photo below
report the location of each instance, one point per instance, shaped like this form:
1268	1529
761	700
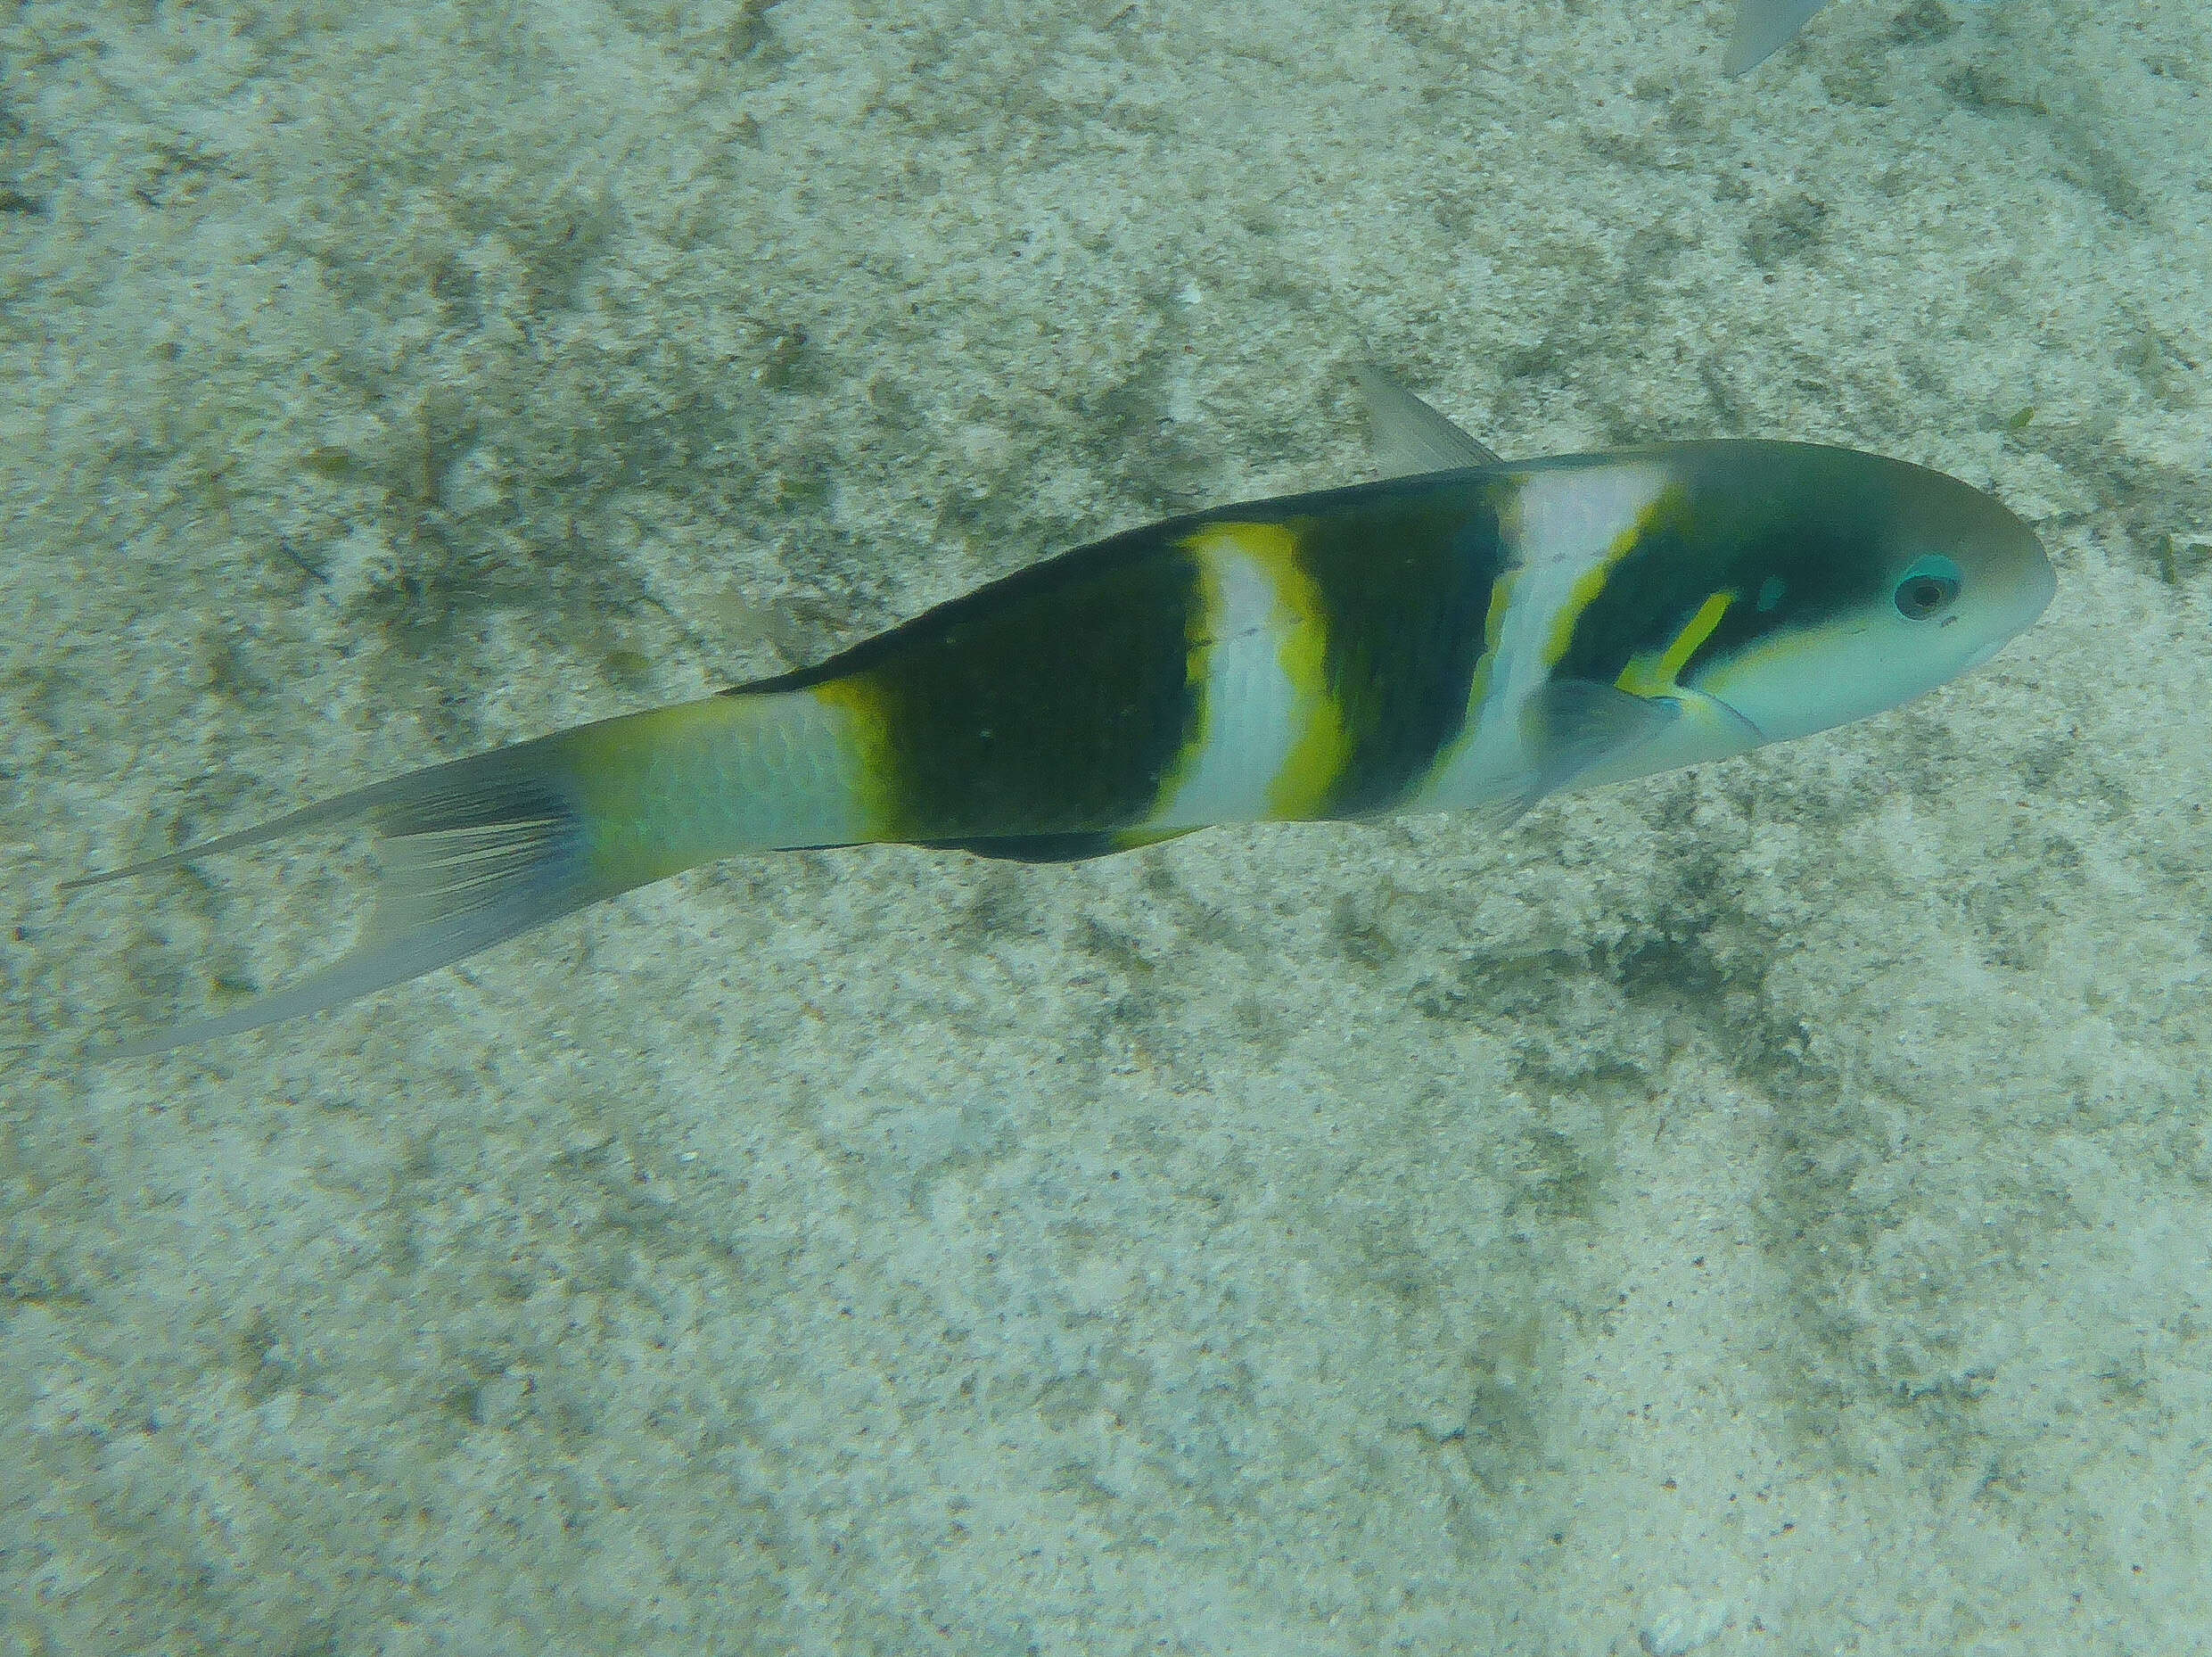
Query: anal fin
1055	848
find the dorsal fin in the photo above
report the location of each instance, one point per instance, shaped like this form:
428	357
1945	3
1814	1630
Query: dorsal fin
1763	27
1412	437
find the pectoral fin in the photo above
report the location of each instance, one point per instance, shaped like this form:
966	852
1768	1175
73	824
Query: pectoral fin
1574	726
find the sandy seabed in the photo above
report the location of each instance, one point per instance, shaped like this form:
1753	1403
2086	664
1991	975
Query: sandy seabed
1767	1209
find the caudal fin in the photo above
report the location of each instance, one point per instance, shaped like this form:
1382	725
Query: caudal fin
473	853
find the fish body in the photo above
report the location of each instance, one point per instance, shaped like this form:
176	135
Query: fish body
1477	637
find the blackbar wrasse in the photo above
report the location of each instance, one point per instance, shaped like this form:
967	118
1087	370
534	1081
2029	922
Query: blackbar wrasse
1465	633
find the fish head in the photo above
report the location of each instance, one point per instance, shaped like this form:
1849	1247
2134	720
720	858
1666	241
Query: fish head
1858	582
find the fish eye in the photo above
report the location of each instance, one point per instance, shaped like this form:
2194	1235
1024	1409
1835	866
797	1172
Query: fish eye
1927	588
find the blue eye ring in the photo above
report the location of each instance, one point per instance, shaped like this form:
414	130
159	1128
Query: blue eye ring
1928	587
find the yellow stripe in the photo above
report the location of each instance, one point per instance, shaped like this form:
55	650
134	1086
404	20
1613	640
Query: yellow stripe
867	737
1322	746
1648	675
1478	684
1670	500
1494	634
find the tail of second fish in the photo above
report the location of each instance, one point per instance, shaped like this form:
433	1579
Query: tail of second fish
478	850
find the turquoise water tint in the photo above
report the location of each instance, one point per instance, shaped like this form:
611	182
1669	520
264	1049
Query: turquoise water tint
1764	1210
